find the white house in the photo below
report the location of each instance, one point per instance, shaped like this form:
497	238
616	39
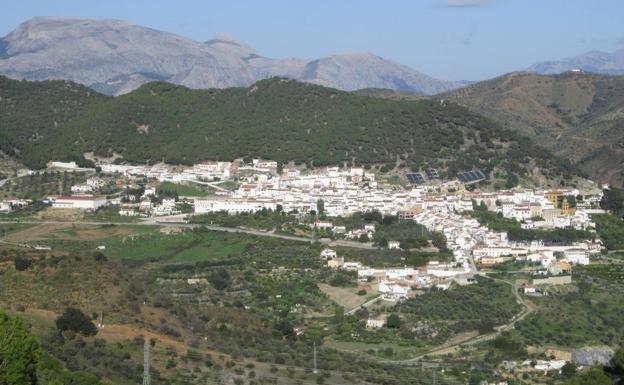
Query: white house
321	225
369	228
82	202
5	206
576	256
328	253
394	245
339	229
232	205
393	291
375	323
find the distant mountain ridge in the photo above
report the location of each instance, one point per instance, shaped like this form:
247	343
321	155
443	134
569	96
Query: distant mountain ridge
115	57
607	63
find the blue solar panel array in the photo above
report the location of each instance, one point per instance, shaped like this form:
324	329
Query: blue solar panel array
432	173
415	178
471	176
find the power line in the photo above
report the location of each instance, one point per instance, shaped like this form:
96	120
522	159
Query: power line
146	362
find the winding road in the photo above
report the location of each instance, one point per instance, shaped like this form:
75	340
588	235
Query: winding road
445	349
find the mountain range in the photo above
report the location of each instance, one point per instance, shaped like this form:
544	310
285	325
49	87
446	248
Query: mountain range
115	57
599	62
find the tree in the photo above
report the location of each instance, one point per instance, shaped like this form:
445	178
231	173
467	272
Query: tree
568	370
75	320
393	321
616	366
595	376
21	263
320	207
613	200
220	279
19	352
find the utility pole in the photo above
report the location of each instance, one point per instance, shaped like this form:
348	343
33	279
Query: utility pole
146	362
315	371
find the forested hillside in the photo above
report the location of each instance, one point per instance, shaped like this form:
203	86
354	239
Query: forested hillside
276	119
579	116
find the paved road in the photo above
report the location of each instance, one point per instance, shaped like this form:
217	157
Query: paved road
214	185
364	305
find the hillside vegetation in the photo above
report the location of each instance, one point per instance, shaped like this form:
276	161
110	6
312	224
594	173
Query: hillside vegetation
276	119
577	115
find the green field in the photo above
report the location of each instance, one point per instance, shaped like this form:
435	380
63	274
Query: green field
9	228
182	190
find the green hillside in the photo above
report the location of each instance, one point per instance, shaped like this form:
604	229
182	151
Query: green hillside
577	115
276	119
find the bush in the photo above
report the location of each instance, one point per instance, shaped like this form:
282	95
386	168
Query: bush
21	263
393	321
75	320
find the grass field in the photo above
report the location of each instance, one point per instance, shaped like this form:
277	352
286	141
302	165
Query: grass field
211	246
184	190
11	228
346	297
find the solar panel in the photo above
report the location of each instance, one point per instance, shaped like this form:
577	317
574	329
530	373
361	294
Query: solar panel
432	173
471	176
415	178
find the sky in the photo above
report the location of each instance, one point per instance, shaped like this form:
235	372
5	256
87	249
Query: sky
448	39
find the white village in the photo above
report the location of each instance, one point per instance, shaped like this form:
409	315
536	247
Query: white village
438	206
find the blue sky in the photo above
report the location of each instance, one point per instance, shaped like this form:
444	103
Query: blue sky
451	39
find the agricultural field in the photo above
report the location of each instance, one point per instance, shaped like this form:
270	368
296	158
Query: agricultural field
228	304
108	214
218	305
567	317
41	184
432	318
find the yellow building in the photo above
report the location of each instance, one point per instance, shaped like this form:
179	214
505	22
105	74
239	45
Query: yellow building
565	266
553	197
566	209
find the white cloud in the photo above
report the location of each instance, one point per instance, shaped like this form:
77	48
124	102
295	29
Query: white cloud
461	3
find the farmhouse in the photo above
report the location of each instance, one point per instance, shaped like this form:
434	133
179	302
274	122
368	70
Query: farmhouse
393	291
82	202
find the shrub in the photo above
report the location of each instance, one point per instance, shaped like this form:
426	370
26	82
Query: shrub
393	321
21	263
75	320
